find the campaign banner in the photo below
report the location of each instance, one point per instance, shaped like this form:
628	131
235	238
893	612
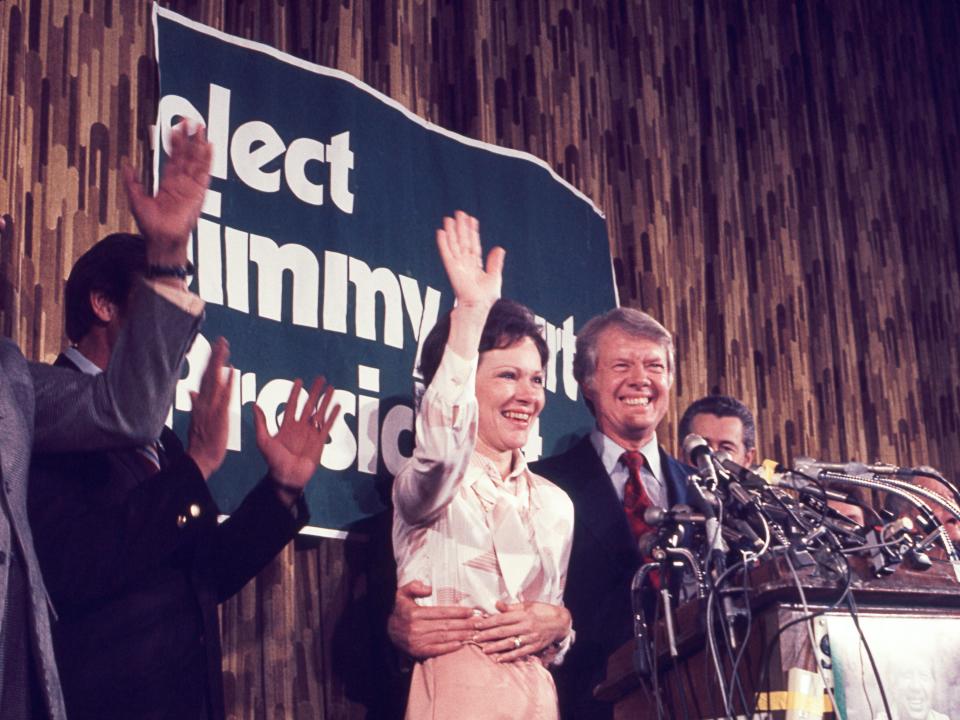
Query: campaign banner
316	254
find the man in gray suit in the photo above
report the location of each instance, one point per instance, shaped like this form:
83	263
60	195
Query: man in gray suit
54	409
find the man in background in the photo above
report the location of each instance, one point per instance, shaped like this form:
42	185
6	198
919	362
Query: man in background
51	409
725	423
128	540
728	425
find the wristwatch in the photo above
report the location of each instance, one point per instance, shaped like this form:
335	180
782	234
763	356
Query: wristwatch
164	271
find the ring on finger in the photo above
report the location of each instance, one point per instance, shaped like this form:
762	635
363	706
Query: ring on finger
517	642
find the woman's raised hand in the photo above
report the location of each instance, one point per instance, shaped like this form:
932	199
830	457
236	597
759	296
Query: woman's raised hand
459	246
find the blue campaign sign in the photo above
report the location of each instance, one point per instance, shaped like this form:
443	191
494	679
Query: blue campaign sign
315	254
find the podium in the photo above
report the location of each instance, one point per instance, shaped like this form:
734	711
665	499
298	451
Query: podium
910	618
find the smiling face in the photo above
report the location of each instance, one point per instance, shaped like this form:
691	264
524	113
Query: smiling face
510	397
630	388
915	692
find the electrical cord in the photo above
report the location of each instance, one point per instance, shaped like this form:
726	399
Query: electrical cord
734	679
809	626
713	601
654	664
768	650
735	670
690	687
862	548
729	631
715	653
854	614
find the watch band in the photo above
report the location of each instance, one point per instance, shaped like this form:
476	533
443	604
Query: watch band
178	271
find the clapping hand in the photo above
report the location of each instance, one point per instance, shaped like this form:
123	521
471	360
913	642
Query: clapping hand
167	218
209	419
293	454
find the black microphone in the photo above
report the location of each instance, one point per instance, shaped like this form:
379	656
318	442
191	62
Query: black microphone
805	487
646	543
746	476
655	516
697	449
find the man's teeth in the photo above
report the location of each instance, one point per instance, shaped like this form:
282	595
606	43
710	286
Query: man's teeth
516	415
642	401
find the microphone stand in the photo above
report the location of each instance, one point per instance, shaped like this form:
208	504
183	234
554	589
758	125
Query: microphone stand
909	493
642	663
665	554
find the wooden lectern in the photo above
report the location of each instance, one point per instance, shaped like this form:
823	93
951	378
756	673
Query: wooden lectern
689	684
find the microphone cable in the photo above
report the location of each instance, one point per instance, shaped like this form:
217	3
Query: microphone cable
748	611
713	608
768	650
855	615
655	670
809	627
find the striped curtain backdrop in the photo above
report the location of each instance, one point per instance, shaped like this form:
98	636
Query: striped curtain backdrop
781	187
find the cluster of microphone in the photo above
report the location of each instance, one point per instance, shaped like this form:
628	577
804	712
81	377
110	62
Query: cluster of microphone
736	518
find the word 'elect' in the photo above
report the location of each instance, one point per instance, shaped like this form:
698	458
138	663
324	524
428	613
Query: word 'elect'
254	146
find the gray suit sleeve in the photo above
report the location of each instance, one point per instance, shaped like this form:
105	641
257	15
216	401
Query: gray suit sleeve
127	404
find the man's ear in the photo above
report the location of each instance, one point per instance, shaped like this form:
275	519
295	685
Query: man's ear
587	396
751	457
103	307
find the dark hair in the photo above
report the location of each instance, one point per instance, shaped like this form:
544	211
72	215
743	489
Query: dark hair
110	267
721	406
507	324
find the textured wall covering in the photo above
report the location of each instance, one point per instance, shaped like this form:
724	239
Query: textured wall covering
780	181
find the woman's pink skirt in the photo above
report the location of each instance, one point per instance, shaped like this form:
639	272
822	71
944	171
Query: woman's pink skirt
468	685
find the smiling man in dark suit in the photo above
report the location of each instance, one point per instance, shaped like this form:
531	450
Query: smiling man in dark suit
625	368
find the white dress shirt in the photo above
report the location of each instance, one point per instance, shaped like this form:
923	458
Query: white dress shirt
475	537
651	476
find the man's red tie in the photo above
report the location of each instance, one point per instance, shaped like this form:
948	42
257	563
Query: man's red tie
636	500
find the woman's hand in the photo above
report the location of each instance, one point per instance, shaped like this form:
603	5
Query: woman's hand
476	288
459	246
522	629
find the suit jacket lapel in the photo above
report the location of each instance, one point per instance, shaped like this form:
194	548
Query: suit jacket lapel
675	477
598	509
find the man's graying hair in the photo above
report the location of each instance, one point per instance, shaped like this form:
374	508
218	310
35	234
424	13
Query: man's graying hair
628	320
